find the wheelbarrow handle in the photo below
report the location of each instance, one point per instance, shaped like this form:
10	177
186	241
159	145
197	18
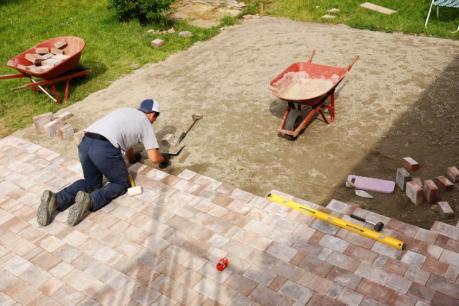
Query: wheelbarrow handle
12	76
312	55
352	63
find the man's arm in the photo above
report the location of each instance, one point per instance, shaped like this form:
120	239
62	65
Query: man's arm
155	156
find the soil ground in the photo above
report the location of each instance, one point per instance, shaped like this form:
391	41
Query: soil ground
400	99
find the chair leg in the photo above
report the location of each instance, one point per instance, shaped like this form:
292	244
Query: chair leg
428	15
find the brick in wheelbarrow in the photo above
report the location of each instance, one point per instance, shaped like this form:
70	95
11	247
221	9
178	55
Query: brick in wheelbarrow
42	50
60	44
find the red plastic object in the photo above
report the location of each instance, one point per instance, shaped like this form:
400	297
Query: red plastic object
317	103
222	264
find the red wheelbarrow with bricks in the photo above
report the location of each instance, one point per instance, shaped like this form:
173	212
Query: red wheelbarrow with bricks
303	85
61	55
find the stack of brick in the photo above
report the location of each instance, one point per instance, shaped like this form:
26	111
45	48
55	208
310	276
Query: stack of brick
418	191
44	58
54	125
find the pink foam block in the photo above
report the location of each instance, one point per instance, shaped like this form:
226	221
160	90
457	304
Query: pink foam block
371	184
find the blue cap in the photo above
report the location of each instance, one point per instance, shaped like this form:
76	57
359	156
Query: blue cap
149	106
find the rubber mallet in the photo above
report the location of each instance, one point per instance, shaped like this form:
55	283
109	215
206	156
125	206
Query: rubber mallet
134	190
376	226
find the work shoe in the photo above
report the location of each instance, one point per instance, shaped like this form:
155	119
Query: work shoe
47	208
80	209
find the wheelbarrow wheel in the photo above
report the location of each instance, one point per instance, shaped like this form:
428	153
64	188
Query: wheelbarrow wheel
294	119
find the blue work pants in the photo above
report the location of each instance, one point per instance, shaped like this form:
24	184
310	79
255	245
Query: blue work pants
97	157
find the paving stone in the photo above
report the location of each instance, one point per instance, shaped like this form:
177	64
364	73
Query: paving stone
281	251
334	243
325	227
350	297
259	275
413	258
241	284
315	282
344	278
343	261
371	273
444	286
322	300
376	291
265	296
398	283
421	292
296	292
434	266
415	274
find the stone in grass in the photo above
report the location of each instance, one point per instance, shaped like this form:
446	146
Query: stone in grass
333	10
378	8
327	16
157	43
171	31
185	34
445	209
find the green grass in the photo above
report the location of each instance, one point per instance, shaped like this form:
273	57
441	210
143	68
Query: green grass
410	16
112	49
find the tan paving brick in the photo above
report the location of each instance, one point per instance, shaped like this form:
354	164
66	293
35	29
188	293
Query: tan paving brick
46	260
265	296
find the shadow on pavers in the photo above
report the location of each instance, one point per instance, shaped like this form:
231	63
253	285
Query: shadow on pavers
428	132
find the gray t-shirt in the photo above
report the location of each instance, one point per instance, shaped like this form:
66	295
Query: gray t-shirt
124	128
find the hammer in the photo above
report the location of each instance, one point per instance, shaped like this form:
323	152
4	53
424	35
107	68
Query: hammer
134	190
376	226
195	118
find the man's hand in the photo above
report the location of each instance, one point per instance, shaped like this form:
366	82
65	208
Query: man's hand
166	162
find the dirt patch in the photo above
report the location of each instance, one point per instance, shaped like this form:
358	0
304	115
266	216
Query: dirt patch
205	13
400	99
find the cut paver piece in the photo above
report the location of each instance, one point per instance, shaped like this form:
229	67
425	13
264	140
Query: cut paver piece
444	183
328	16
414	192
41	120
445	209
402	177
410	164
430	191
453	174
377	8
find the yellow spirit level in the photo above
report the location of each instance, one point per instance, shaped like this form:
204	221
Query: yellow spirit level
388	240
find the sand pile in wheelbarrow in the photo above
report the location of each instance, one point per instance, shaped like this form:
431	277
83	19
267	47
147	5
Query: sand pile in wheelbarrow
299	86
44	58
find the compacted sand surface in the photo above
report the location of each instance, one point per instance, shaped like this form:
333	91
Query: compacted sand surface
400	99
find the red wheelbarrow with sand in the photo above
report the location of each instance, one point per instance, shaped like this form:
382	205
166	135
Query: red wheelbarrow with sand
303	85
59	62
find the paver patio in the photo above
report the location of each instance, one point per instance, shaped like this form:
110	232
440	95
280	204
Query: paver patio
160	248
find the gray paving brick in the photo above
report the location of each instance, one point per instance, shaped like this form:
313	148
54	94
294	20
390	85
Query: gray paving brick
296	292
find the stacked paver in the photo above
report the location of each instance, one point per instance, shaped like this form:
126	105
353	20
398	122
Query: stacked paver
161	247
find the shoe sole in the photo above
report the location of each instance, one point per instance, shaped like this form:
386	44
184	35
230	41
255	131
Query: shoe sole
43	216
76	211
